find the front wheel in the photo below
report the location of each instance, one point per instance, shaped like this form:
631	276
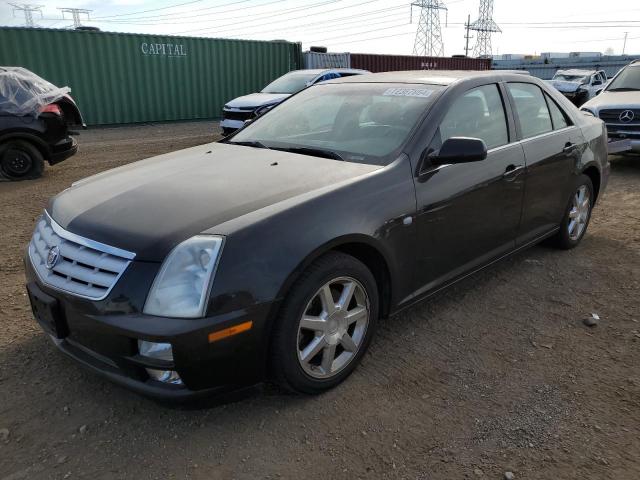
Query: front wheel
325	325
577	215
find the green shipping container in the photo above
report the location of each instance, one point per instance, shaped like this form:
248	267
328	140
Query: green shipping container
128	78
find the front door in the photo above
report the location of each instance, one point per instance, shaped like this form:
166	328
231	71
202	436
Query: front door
469	213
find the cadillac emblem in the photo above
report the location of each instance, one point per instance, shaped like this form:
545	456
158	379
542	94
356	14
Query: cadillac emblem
52	257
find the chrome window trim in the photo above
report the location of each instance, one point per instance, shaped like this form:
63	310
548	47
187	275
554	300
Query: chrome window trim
546	134
102	247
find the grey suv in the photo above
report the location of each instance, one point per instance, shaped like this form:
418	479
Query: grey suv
619	106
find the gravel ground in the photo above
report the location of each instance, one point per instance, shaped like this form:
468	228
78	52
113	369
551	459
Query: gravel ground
497	374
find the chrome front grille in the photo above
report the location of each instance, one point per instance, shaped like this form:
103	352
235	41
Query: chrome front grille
78	265
613	116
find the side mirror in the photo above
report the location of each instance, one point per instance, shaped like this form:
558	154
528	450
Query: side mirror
248	121
460	150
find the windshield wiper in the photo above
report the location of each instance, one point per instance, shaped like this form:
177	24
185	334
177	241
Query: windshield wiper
317	152
251	143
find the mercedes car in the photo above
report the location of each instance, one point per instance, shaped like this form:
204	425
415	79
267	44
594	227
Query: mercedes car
619	107
274	254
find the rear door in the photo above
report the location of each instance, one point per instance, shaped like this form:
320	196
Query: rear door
468	214
552	146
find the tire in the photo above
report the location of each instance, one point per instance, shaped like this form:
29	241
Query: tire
20	160
293	338
570	234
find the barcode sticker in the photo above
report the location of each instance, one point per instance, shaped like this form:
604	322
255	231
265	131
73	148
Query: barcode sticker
408	92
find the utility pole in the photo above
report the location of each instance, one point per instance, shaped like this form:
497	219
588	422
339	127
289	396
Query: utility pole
28	11
485	26
429	34
75	15
624	45
467	36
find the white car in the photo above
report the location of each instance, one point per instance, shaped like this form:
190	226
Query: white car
244	108
619	107
579	86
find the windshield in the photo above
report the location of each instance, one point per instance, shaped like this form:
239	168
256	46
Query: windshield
570	78
290	83
358	122
628	79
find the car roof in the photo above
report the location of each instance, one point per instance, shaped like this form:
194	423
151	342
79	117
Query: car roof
321	71
577	71
427	77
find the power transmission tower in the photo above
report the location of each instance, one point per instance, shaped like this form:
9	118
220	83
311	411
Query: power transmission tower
485	26
75	14
429	35
28	11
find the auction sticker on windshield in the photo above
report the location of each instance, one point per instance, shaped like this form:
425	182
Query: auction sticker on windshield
407	92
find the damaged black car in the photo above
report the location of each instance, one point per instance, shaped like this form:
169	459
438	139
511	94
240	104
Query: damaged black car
36	121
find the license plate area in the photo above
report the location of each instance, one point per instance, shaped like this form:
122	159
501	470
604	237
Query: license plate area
46	311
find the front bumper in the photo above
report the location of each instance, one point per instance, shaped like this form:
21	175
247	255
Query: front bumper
107	343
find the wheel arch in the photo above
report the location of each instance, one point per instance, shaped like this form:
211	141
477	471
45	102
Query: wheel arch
37	142
362	247
593	172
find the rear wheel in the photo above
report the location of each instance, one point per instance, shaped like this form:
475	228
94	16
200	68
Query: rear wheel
20	160
326	324
577	215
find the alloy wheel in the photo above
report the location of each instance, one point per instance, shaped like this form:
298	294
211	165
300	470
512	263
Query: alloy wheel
579	213
332	328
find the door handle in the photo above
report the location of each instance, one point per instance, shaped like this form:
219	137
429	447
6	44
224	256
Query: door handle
569	147
511	171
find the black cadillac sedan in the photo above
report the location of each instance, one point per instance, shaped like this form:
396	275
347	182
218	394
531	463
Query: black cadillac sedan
274	253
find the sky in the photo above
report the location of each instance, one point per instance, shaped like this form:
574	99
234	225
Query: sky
364	26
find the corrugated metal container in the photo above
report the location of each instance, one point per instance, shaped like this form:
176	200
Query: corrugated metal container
326	60
126	78
391	63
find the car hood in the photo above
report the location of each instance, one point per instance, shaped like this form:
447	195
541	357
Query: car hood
149	206
615	100
564	85
256	100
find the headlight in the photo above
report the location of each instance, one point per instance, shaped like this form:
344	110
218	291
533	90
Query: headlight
181	287
262	110
587	110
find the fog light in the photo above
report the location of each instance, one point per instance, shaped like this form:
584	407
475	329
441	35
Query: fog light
159	351
165	376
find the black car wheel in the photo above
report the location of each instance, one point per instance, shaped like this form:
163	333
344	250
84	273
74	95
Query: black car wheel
20	160
325	325
577	215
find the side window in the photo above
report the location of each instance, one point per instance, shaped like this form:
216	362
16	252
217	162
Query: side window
558	117
479	113
531	109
